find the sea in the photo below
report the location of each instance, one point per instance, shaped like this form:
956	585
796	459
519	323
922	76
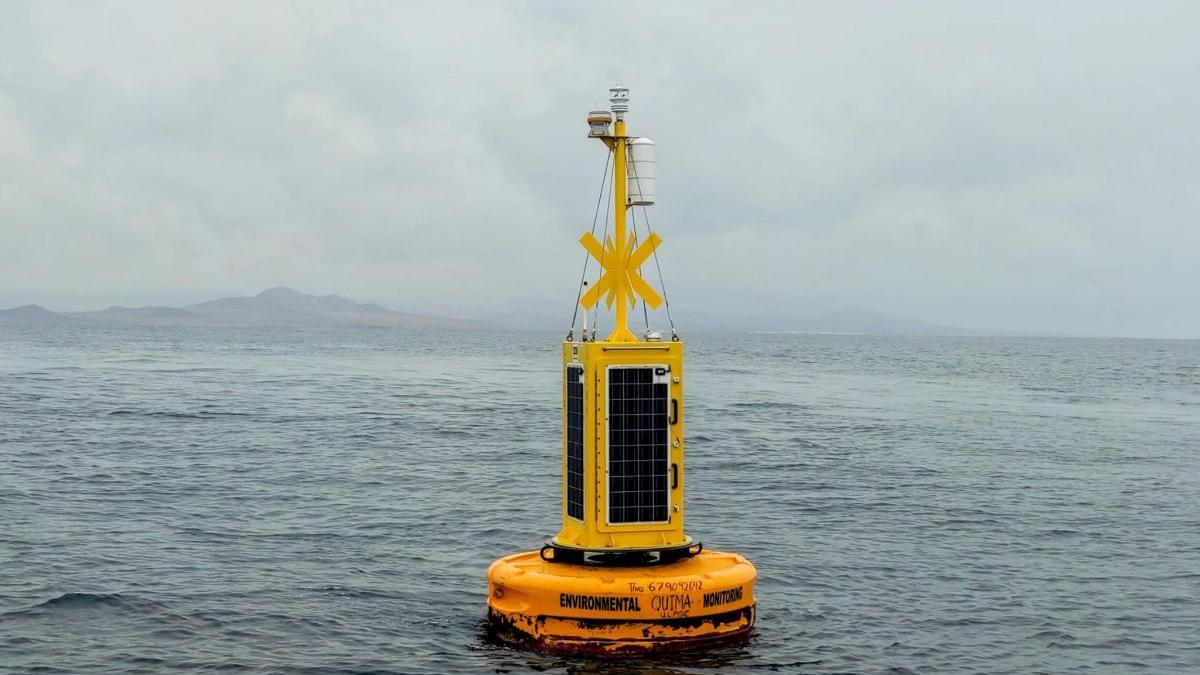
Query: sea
327	500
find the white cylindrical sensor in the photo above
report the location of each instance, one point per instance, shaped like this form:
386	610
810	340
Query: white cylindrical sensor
640	172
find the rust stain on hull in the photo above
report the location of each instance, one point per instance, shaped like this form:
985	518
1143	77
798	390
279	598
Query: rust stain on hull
612	637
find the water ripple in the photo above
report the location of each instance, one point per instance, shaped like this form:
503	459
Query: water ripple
327	501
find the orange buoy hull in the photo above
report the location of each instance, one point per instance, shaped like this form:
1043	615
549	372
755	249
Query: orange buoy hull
693	604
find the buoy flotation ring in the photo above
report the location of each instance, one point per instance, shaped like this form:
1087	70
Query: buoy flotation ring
697	603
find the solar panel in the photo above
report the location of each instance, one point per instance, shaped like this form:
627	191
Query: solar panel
575	442
637	444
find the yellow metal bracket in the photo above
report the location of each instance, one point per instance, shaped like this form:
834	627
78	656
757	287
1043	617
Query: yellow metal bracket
621	280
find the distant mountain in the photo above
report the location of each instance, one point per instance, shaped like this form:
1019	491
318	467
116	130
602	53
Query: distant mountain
697	317
287	306
843	321
30	313
273	307
119	314
865	322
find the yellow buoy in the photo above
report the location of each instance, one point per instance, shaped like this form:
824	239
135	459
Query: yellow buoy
622	575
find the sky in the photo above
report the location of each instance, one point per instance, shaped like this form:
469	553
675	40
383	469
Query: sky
1020	166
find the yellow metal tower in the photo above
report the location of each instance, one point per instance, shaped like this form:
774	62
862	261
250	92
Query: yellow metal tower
622	398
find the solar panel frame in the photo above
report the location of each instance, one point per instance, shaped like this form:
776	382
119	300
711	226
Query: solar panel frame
639	453
574	441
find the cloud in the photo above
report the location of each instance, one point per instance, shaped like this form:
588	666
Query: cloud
1015	166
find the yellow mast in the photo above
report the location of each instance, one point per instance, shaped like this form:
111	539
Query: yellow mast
621	332
621	281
